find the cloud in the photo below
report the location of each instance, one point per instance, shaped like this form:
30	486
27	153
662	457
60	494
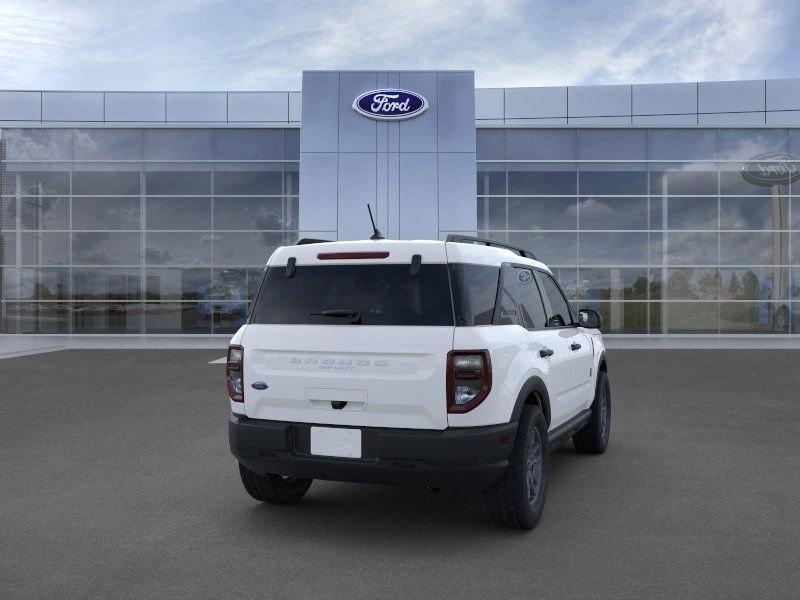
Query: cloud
209	44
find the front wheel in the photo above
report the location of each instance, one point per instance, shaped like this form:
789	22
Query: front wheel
593	437
517	501
274	489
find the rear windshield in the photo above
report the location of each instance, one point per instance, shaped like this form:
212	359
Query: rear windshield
386	294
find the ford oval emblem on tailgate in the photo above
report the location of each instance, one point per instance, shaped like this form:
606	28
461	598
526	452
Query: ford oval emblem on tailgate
259	385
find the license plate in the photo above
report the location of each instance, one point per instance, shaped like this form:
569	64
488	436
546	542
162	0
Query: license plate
334	441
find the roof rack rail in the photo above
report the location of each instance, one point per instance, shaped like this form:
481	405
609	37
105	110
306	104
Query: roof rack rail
467	239
304	241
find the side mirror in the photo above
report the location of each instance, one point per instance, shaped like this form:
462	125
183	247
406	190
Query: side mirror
589	318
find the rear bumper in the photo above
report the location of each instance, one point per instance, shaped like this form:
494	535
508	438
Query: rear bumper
466	459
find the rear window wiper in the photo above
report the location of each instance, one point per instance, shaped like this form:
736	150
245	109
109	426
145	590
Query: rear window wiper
342	313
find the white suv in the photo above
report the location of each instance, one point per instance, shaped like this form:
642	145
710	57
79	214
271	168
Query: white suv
456	364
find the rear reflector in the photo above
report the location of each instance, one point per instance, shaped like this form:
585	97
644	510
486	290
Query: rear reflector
351	255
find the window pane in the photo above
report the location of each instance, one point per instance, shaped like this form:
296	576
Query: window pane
178	183
612	182
291	141
184	317
248	182
760	248
177	144
559	307
693	284
38	144
32	317
491	179
754	317
229	317
474	293
108	144
620	317
178	213
746	144
52	284
491	144
691	213
105	213
100	317
753	283
8	248
612	213
553	249
178	284
43	183
229	284
732	182
113	183
690	317
612	144
50	248
524	180
532	313
492	213
245	248
541	144
682	144
542	213
692	248
106	284
105	248
613	249
248	144
754	213
178	248
612	284
683	183
44	212
248	213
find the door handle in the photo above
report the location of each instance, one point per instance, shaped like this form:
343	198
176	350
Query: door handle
545	353
575	346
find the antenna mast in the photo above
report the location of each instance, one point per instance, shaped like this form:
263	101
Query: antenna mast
376	234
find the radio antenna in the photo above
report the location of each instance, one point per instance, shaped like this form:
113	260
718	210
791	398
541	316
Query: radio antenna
376	234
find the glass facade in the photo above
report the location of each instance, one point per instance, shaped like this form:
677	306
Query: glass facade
141	230
656	229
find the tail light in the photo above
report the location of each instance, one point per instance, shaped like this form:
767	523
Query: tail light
234	373
469	379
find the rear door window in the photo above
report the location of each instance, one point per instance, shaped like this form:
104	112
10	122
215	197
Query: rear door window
520	300
386	294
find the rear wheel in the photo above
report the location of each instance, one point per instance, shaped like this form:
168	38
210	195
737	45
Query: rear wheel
274	489
593	438
518	499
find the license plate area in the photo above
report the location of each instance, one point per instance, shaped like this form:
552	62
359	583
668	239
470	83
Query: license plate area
335	441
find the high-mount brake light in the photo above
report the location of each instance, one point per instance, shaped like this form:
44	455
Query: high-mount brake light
234	373
469	379
351	255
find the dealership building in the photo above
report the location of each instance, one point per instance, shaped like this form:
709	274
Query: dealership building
669	208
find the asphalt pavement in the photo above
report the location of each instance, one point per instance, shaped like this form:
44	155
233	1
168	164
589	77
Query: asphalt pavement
116	482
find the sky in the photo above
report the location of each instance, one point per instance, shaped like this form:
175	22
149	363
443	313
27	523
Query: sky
265	45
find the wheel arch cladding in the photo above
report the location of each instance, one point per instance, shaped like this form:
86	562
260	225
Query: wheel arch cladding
602	365
534	391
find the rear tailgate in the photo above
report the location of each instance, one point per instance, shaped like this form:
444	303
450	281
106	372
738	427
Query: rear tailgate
350	333
379	377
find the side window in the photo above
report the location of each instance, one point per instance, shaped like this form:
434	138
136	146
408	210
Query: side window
559	307
474	293
508	303
532	315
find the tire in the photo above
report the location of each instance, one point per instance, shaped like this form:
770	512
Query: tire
517	501
593	437
274	489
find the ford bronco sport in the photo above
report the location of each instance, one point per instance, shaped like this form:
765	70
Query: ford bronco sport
453	364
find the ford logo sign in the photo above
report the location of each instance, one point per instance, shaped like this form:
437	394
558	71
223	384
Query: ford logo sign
390	105
772	168
259	385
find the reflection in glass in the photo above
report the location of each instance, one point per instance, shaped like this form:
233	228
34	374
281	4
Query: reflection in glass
620	317
245	248
105	213
178	284
241	182
111	183
610	183
178	144
8	248
754	212
540	144
108	144
754	283
612	144
102	248
43	183
753	248
613	249
690	317
38	144
183	317
554	249
178	248
248	144
522	182
692	248
492	213
677	182
691	213
491	179
178	183
101	317
754	317
613	284
229	284
33	317
44	212
612	213
178	213
228	317
491	144
47	248
248	213
541	213
693	284
97	283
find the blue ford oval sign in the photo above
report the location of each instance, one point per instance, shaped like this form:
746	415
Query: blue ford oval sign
390	105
